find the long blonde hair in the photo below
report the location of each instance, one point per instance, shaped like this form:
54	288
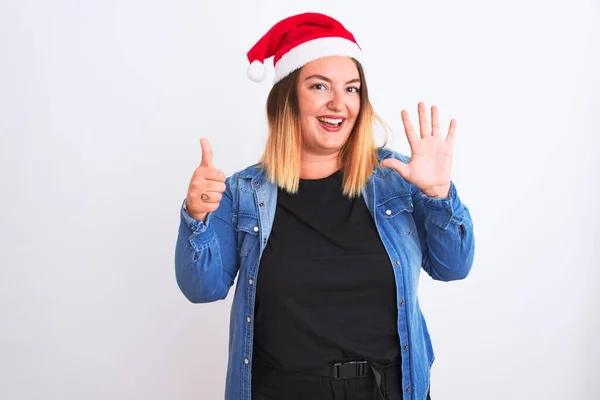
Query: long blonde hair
282	156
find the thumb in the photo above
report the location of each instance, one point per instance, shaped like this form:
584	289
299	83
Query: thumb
207	153
397	165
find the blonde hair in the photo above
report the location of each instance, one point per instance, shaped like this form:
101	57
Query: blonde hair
281	158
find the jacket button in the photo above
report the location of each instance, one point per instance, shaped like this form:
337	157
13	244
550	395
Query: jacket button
246	361
250	281
261	204
401	302
408	388
255	229
405	347
397	262
248	319
388	212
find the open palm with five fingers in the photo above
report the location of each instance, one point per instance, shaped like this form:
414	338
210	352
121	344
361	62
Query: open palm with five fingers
431	158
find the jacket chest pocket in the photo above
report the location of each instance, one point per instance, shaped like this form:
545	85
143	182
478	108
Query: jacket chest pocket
397	212
248	233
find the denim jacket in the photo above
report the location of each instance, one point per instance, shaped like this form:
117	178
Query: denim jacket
416	230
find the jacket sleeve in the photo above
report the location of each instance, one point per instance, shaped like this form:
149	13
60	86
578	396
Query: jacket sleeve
446	235
206	258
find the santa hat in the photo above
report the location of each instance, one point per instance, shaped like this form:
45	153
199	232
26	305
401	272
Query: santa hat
298	40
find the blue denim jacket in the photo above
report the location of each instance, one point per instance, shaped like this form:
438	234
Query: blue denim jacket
417	232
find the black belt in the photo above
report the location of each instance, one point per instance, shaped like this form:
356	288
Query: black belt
342	370
351	370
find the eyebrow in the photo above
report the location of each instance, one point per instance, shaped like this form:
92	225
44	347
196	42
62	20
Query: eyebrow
317	76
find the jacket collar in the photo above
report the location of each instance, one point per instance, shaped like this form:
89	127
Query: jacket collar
258	175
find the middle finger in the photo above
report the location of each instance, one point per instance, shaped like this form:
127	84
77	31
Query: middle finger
424	124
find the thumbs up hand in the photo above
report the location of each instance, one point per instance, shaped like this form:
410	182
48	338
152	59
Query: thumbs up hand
206	186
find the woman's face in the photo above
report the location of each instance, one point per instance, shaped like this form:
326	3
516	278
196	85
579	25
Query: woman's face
329	102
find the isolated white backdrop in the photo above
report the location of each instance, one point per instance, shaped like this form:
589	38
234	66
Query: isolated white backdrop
101	107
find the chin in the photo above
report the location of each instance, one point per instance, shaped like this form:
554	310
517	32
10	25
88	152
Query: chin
327	142
332	144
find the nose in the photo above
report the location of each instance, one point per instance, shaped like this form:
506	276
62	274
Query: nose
337	101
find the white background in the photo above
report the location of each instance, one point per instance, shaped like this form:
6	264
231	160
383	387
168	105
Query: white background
102	104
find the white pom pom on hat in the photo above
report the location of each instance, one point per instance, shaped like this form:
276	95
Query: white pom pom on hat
298	40
256	71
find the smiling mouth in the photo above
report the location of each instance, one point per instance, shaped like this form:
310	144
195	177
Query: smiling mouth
334	122
331	124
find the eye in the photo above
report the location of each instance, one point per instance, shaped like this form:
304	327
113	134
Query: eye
318	86
353	89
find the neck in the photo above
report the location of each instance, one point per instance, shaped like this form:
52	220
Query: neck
314	166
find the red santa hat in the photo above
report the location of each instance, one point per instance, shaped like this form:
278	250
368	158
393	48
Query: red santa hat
298	40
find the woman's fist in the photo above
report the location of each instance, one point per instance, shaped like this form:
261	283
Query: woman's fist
206	186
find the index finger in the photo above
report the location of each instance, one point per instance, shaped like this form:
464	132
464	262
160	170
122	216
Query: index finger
213	174
408	127
207	153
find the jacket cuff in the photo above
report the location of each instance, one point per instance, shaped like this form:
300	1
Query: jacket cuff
201	232
443	211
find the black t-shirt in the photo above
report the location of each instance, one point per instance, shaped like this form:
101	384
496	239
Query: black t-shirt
325	288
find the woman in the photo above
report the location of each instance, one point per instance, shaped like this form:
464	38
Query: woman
326	235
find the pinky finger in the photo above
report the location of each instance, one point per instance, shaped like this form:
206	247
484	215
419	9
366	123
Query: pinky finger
211	207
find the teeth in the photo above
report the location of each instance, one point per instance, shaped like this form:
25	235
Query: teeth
330	120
